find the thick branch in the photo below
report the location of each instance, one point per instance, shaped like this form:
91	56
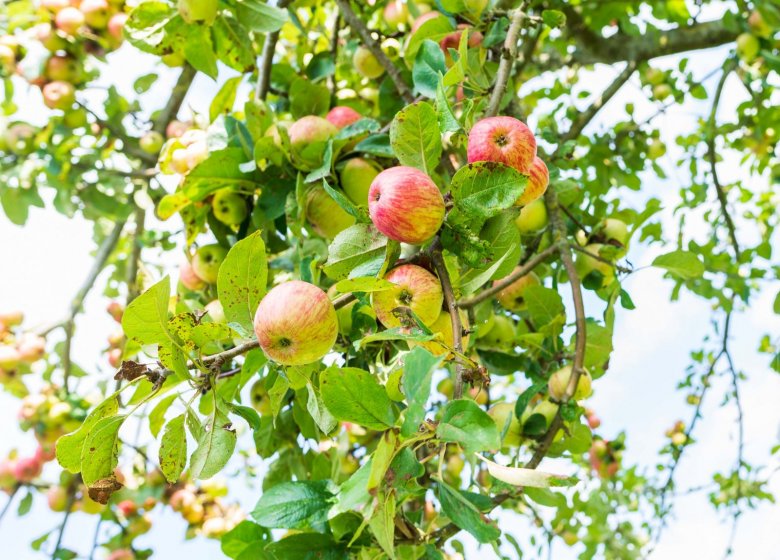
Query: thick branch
171	109
508	56
360	28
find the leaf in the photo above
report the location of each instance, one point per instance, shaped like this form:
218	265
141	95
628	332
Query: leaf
307	98
353	493
157	415
776	304
357	249
215	447
428	66
415	137
259	16
464	422
526	477
366	284
354	395
25	504
319	412
100	453
307	546
232	43
173	449
553	18
69	446
465	514
526	396
225	98
221	169
241	282
382	524
483	189
448	122
598	345
145	320
544	304
684	264
419	365
246	536
294	505
381	459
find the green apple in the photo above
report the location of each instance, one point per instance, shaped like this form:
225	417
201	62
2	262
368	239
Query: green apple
656	149
586	264
356	178
559	381
415	288
151	142
308	139
662	91
95	13
616	231
367	64
229	207
324	214
196	11
75	117
207	261
215	310
501	335
59	95
511	297
259	398
503	414
546	408
748	46
532	218
654	76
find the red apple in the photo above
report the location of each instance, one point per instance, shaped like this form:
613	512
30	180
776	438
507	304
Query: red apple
452	40
538	179
356	178
406	205
127	508
27	469
116	25
415	288
69	20
58	95
189	279
342	116
511	297
296	323
308	138
503	140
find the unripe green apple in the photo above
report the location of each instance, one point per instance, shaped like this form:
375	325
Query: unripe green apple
570	538
654	76
196	11
75	117
207	261
662	91
501	335
356	178
656	149
446	387
48	37
443	326
20	138
392	48
259	398
511	297
615	231
324	214
367	64
503	414
296	323
152	142
532	218
415	288
229	207
748	46
308	139
63	68
559	381
546	408
586	264
215	311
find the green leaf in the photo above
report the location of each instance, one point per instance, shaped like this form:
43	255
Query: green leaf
483	189
448	122
464	422
465	515
232	43
354	395
598	345
526	396
353	493
69	446
145	28
215	447
684	264
225	98
415	137
776	304
259	16
428	66
245	537
221	169
356	252
544	305
434	29
173	449
307	546
365	284
419	365
198	48
307	98
241	282
100	453
157	415
145	320
553	18
294	505
382	524
25	505
382	458
319	412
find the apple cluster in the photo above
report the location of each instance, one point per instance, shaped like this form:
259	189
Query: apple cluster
18	349
51	413
605	457
204	510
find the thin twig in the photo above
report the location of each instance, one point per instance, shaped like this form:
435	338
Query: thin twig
7	506
360	28
95	538
266	62
68	511
334	54
599	258
508	56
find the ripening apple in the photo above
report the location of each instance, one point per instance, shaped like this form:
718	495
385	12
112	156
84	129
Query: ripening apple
215	311
758	25
415	288
57	498
54	5
586	264
121	554
116	25
152	142
229	207
503	414
324	214
748	47
69	20
63	68
27	469
532	218
9	358
127	508
396	14
367	64
501	335
452	41
48	37
12	318
196	11
356	178
58	95
95	13
427	16
502	140
406	205
443	326
342	116
296	323
538	179
189	279
559	381
308	139
207	261
511	297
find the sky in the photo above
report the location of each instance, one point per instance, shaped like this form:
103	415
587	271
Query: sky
45	262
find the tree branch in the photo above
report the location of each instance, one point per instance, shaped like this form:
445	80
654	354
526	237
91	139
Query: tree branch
171	109
360	28
508	56
266	62
616	266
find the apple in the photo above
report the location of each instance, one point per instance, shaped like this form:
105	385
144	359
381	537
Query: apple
207	261
546	408
127	508
532	218
55	5
367	64
69	20
12	318
308	138
189	279
63	68
679	439
501	335
30	347
258	396
214	527
559	381
654	76
116	26
7	59
392	48
324	214
759	25
396	14
58	95
415	288
229	207
139	525
356	178
75	117
115	357
197	11
7	476
748	46
443	326
662	91
446	387
95	13
27	469
342	116
427	16
502	140
121	554
215	311
173	60
176	129
656	149
151	142
9	357
296	323
570	538
616	231
503	414
511	297
586	264
477	395
538	179
452	41
57	498
406	205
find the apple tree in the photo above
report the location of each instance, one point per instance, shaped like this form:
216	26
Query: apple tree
378	279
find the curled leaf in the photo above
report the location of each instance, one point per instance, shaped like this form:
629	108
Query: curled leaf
526	477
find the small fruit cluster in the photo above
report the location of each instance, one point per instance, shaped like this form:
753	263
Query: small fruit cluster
605	457
16	471
182	152
18	350
202	507
677	434
51	414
